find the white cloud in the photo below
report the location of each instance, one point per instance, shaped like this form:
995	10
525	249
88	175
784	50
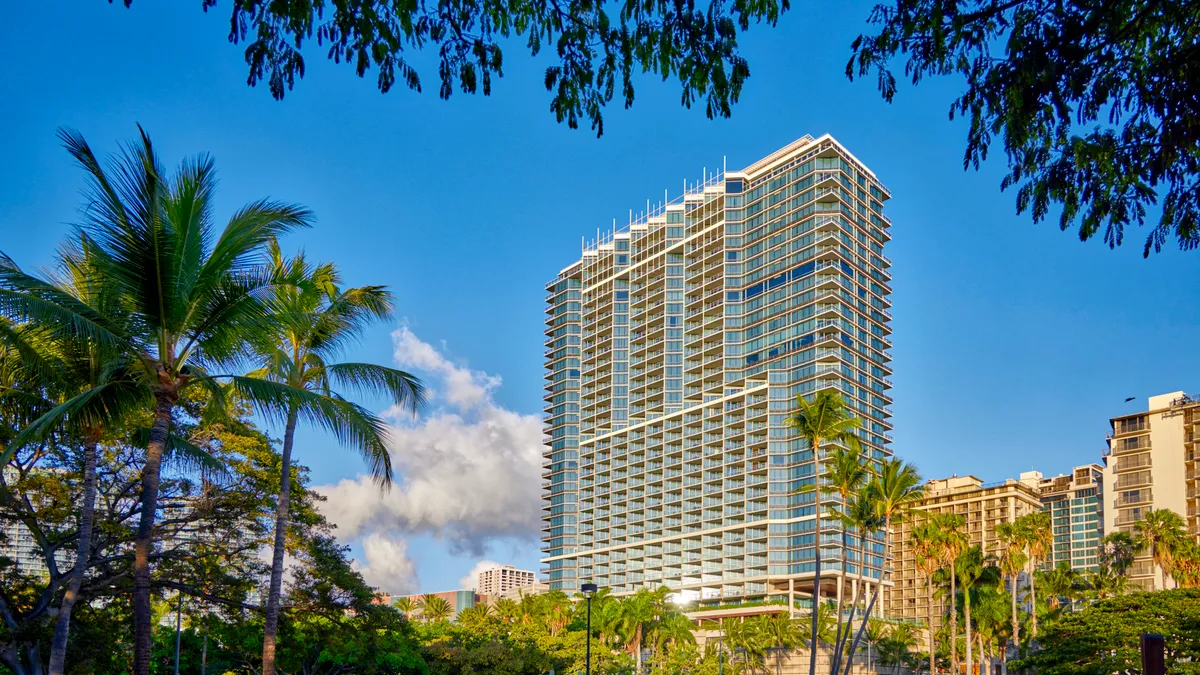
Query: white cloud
387	565
463	388
469	471
470	580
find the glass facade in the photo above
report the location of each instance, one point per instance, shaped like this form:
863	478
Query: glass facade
697	327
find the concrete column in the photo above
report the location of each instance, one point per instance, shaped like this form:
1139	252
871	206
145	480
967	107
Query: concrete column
791	598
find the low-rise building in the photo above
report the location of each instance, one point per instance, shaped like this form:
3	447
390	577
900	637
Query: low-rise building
982	505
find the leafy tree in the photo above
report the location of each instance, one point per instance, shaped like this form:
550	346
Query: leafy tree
600	49
1104	638
312	320
822	418
1093	101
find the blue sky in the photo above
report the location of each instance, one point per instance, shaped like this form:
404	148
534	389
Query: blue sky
1013	341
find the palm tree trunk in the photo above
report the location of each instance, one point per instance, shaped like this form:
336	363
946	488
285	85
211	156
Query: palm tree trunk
816	596
271	623
953	620
1004	662
142	615
637	646
837	639
843	638
1033	602
929	623
1016	626
967	623
204	655
83	551
887	565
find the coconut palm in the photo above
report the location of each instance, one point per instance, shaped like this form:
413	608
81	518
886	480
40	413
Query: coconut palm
862	517
313	320
1012	563
952	542
1061	583
672	628
435	608
925	544
746	639
1187	564
1117	550
821	419
848	473
1037	530
895	490
191	302
1104	582
83	388
973	570
1161	531
896	649
993	628
507	610
476	617
637	612
405	605
781	633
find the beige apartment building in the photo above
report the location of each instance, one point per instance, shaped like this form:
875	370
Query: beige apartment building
497	580
1151	463
983	505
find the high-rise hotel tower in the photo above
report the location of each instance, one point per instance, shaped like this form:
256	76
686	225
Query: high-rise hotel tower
675	349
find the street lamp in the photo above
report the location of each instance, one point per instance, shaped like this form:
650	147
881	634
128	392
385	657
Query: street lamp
588	591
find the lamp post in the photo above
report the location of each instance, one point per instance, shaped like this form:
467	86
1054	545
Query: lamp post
588	591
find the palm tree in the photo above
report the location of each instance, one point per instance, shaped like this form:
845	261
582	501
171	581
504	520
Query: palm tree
435	608
637	612
781	633
405	605
848	473
1039	540
672	628
475	617
895	490
1061	583
895	650
992	622
953	540
822	419
85	388
746	638
192	303
313	320
507	610
973	570
1105	582
925	544
1161	531
1012	563
1118	549
862	516
1187	564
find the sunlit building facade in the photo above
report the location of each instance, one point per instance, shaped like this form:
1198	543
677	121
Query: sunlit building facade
676	348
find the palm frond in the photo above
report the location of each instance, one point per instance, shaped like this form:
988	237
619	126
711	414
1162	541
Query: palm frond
404	389
183	455
351	424
247	234
26	298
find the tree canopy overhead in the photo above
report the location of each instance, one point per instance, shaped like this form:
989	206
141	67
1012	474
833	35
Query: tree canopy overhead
1095	102
600	46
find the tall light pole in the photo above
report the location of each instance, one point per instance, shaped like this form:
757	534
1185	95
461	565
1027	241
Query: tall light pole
588	591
